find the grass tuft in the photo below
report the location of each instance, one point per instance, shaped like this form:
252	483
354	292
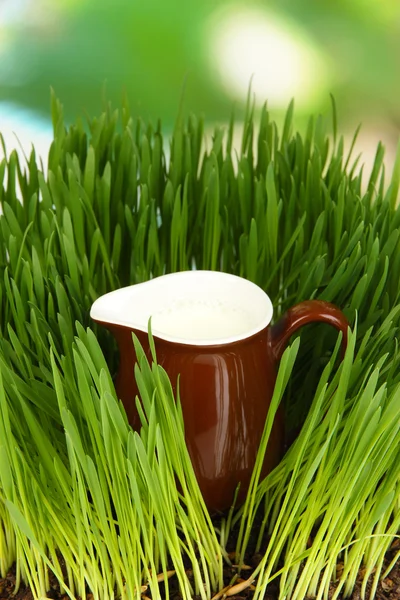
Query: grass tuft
110	511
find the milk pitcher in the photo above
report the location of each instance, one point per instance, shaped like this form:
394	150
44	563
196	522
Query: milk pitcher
214	330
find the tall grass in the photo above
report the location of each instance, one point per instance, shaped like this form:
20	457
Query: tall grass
111	511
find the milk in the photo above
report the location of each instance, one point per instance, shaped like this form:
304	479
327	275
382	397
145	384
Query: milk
207	319
192	307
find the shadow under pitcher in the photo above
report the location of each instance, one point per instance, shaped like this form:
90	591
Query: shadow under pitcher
213	329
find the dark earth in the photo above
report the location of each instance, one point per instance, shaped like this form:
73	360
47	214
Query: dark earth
388	589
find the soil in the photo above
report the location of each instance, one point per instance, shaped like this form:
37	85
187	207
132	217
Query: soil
388	589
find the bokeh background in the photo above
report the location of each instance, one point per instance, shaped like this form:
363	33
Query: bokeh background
157	51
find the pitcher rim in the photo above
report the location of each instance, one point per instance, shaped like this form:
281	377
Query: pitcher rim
97	309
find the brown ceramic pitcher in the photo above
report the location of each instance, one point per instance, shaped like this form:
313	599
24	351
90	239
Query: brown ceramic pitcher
213	329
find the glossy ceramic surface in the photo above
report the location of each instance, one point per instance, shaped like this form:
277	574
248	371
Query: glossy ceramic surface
225	393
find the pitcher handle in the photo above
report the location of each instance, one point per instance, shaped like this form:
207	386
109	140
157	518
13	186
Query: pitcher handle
310	311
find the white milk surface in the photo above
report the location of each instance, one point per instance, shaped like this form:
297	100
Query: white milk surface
191	319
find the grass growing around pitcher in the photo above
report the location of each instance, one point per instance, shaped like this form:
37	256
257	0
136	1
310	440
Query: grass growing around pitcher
119	513
131	519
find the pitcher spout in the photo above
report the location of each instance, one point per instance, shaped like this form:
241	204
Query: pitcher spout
121	308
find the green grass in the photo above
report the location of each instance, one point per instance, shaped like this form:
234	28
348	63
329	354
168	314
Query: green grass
110	510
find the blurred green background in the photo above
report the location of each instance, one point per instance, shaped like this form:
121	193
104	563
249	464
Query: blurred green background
306	49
